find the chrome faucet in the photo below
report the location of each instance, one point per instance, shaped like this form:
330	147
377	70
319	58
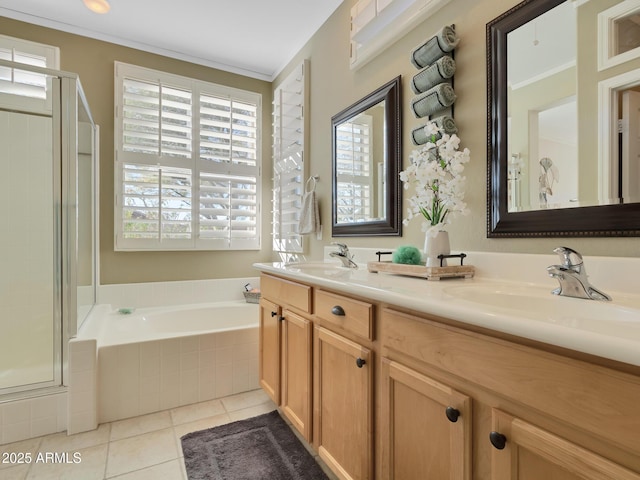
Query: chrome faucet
572	276
344	255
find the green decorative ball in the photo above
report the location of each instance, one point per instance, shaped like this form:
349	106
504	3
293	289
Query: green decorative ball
407	255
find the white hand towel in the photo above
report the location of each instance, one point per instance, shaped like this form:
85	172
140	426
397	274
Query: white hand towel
310	215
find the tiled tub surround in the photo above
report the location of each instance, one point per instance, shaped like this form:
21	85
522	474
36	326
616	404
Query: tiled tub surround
148	376
82	406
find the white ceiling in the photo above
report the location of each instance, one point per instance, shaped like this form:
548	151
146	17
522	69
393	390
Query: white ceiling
256	38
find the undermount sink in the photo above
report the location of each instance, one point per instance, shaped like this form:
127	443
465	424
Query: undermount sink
538	303
319	267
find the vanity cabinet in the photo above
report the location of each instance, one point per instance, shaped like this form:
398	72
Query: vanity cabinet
425	427
536	414
343	405
524	451
286	349
269	341
383	392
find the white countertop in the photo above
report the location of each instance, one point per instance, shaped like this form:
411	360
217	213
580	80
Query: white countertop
525	309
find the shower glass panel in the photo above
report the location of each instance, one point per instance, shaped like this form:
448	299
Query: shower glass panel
47	207
30	210
86	207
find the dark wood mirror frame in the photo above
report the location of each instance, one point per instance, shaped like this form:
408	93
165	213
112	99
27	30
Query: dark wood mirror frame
599	221
390	93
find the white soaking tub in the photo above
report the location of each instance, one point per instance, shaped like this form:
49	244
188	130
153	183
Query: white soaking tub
163	357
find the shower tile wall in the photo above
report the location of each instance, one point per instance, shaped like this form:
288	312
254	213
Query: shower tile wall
33	417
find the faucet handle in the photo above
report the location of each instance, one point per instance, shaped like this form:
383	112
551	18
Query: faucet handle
568	256
343	247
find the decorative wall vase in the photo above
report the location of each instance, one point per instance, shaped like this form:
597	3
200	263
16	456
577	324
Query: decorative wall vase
435	245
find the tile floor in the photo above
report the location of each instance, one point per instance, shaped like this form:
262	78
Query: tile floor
139	448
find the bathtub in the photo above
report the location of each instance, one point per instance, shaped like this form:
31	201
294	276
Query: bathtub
164	357
176	321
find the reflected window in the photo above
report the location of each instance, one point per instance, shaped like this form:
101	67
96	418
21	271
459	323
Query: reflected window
353	169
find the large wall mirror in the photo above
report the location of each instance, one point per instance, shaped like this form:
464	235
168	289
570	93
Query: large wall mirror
367	156
563	121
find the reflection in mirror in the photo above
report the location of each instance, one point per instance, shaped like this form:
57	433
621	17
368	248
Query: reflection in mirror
360	167
557	164
366	162
541	97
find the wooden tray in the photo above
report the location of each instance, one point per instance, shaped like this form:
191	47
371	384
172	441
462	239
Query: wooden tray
430	273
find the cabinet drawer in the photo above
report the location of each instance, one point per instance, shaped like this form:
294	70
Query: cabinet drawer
286	292
352	315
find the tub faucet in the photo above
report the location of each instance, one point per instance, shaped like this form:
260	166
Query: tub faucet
572	276
344	255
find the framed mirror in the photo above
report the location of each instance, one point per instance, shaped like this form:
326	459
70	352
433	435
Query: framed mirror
366	162
557	165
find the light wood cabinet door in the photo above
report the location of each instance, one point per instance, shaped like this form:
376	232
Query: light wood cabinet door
343	405
522	451
425	427
296	371
269	340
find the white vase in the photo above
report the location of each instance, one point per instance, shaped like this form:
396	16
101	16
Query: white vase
435	245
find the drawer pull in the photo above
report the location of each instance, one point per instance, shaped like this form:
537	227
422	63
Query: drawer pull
360	362
338	310
498	440
452	414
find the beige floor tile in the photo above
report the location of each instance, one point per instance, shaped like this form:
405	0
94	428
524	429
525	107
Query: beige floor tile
23	447
172	470
14	472
244	400
202	424
90	466
140	425
252	411
136	453
61	442
197	411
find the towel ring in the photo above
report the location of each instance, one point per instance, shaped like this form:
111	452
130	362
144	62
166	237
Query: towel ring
313	178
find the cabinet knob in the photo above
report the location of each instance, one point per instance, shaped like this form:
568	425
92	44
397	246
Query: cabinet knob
273	314
281	318
338	310
498	440
452	414
360	362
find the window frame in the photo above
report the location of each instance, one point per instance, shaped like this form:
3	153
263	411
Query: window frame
199	167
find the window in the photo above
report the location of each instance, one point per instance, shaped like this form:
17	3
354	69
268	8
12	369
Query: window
353	170
187	163
289	126
26	89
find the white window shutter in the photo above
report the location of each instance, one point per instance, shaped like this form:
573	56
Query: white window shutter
171	197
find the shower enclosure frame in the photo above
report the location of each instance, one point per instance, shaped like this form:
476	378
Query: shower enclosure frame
67	106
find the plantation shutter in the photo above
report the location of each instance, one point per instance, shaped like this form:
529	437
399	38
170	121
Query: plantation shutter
21	88
289	125
172	197
353	170
287	196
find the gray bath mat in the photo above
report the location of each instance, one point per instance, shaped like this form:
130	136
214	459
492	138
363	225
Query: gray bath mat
262	447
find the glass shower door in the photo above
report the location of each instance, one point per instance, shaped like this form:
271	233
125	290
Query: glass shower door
30	212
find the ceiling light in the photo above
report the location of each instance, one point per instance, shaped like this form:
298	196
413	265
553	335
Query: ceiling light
98	6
